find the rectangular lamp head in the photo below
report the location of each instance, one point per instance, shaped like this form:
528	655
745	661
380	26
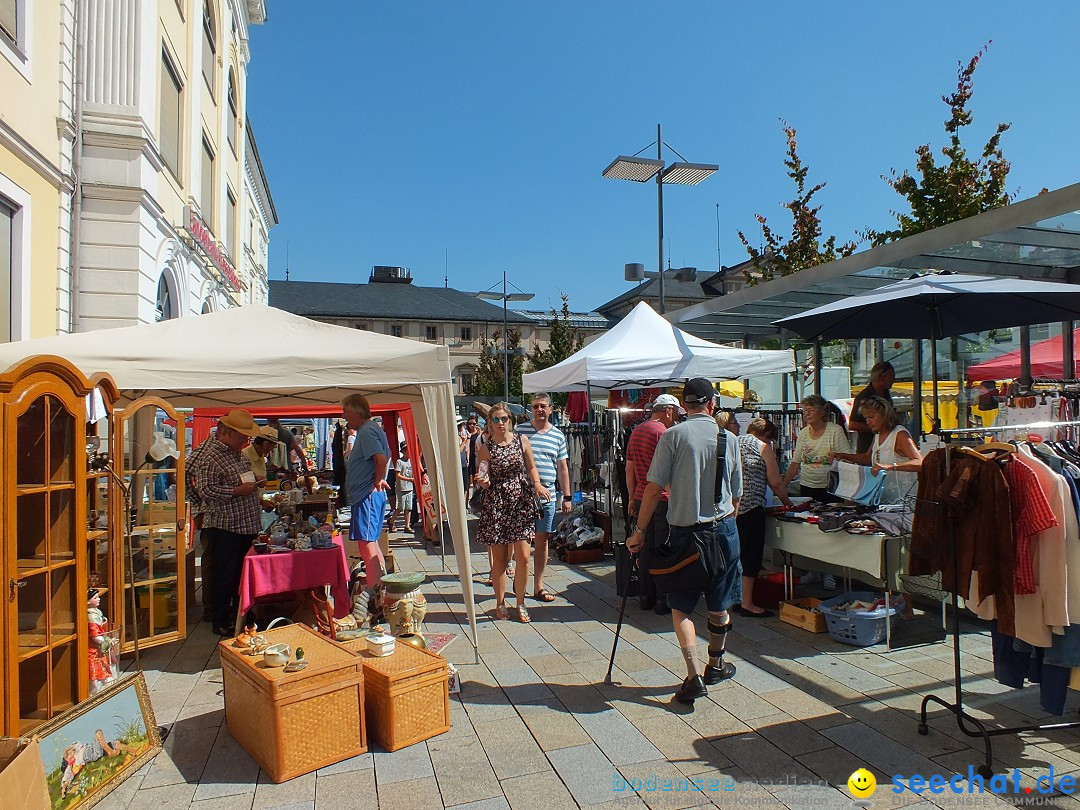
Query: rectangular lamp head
640	170
489	296
519	297
688	174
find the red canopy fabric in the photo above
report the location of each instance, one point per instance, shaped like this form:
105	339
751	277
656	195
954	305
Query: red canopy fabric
1046	361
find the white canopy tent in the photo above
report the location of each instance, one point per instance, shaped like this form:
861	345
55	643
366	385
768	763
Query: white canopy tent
260	355
644	350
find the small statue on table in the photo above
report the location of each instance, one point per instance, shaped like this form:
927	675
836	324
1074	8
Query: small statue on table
103	655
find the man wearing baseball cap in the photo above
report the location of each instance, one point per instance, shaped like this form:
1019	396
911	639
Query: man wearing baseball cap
685	463
639	456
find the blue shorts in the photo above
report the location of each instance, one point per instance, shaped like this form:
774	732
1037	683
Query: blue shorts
725	591
546	523
367	517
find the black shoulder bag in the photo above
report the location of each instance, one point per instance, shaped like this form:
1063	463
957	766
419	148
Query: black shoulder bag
694	560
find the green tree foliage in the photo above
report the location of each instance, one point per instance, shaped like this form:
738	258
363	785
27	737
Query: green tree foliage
805	248
958	188
488	379
564	341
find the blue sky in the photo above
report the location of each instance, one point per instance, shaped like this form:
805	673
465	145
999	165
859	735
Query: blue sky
473	134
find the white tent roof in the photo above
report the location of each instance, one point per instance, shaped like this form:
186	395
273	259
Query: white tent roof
643	350
258	354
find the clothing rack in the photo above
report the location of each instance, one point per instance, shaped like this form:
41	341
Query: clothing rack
957	707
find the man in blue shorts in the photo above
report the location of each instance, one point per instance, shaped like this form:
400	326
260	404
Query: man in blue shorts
365	481
685	464
549	453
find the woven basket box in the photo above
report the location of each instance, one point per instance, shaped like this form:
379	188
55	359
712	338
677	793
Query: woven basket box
293	723
406	695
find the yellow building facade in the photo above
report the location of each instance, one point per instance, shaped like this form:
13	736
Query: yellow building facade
36	138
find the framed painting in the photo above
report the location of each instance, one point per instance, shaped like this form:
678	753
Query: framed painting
94	746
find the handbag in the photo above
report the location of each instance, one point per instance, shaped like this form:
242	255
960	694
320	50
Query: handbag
627	578
476	502
856	483
695	560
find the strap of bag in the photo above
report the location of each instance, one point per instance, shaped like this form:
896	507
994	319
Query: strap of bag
721	464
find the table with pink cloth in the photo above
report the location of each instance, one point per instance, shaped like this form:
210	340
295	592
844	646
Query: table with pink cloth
285	571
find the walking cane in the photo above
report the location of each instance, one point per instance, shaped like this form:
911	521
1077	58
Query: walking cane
622	613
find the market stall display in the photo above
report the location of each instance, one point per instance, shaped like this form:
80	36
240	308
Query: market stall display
180	361
293	723
285	571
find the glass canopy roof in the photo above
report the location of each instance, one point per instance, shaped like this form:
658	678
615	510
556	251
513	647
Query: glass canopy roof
1038	238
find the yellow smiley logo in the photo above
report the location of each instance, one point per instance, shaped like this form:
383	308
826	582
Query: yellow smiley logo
862	784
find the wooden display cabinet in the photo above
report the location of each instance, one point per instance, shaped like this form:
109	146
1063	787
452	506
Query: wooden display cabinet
156	568
43	547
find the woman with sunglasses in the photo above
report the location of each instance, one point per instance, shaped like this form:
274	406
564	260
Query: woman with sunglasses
508	513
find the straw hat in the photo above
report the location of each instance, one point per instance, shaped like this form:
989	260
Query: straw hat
268	434
241	421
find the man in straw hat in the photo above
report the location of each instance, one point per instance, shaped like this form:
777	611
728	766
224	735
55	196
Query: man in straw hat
227	493
257	452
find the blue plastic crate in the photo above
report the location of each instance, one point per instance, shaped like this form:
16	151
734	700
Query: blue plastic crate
860	628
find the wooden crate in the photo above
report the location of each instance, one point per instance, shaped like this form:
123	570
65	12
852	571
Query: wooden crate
801	613
406	694
293	723
577	556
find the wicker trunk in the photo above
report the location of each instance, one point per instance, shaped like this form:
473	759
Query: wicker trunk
406	695
293	723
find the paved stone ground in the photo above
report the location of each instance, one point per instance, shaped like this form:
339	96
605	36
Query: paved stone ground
535	726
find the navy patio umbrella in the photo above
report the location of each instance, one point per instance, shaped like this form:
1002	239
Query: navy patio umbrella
939	305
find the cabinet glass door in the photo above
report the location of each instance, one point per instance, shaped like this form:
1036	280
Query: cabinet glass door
46	578
154	556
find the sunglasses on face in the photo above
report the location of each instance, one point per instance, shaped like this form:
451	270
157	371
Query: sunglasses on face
540	407
500	419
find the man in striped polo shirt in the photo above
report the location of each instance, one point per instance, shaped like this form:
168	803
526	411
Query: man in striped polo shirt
549	453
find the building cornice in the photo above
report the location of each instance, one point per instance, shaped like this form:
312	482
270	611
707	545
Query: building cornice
33	158
257	177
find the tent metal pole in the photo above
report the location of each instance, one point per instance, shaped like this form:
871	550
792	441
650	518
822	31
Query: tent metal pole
1068	358
817	366
916	392
1025	358
936	422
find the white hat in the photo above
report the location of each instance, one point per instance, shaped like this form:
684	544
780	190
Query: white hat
665	401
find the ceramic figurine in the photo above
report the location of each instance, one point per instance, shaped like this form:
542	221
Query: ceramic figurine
244	638
101	668
404	612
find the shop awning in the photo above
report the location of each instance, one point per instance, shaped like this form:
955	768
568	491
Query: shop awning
1046	361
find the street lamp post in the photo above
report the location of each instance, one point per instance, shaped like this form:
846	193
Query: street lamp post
505	350
642	170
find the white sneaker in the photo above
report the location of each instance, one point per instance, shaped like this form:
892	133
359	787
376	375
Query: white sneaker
828	582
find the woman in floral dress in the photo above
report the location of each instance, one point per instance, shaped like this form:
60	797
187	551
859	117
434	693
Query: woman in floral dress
509	512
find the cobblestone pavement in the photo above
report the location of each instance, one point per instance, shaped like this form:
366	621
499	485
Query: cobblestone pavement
535	726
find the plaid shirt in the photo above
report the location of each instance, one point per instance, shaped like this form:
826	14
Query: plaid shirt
1031	514
214	469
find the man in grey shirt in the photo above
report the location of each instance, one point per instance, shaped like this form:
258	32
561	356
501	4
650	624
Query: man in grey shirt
685	464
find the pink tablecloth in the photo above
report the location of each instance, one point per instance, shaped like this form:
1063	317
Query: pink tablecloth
266	574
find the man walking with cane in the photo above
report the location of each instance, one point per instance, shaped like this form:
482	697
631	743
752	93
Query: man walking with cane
686	464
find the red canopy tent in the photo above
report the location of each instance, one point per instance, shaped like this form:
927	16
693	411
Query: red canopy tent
1046	361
